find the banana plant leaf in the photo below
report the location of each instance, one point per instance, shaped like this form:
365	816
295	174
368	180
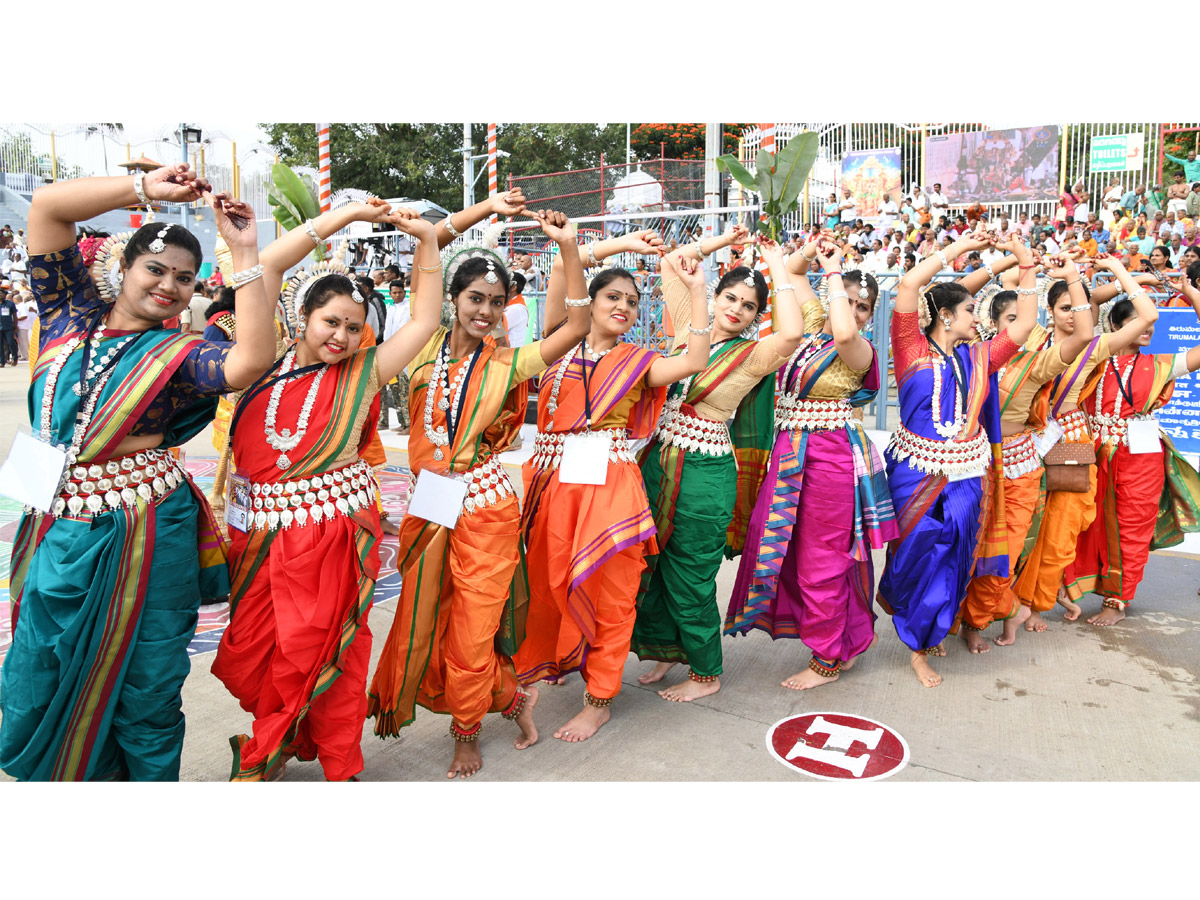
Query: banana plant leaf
294	200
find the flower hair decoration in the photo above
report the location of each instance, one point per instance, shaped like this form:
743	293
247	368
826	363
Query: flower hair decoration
291	301
987	328
106	267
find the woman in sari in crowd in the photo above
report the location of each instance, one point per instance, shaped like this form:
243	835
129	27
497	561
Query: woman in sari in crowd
1147	495
806	571
943	462
1068	513
587	543
464	595
305	551
990	597
702	478
106	584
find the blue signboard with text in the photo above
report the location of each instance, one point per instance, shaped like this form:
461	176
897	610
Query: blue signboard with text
1176	330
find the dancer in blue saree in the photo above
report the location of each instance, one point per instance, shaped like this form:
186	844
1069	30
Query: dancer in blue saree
105	586
943	463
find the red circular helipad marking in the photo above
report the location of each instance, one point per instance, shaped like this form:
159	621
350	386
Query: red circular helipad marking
837	747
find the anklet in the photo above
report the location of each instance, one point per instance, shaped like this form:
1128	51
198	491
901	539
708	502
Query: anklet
930	651
462	736
1113	604
702	679
971	627
596	701
823	670
514	708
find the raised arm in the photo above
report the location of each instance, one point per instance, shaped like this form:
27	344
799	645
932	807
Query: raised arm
559	229
1192	293
1019	331
1147	312
671	369
426	308
1081	310
57	207
288	250
253	350
909	288
789	320
854	350
646	242
974	281
510	203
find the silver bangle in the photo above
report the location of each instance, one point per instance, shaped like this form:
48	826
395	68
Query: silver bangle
785	287
311	230
454	232
988	268
138	189
586	301
701	331
1027	291
246	276
591	260
833	294
942	256
1081	308
1142	293
700	254
806	256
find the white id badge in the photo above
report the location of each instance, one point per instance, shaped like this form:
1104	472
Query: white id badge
438	499
33	471
1143	436
237	507
967	476
585	458
1047	439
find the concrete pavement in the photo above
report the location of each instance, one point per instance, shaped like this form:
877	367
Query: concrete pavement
1074	703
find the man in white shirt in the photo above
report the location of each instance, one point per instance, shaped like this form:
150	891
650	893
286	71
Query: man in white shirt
939	204
395	393
888	212
26	312
847	207
1081	208
516	315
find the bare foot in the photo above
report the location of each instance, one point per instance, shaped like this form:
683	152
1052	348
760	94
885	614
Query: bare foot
689	690
976	642
849	664
1009	636
656	674
802	681
467	759
1073	610
1107	616
529	733
924	670
586	723
1036	622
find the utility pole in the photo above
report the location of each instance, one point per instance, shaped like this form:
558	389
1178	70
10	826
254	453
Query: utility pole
183	207
468	168
712	186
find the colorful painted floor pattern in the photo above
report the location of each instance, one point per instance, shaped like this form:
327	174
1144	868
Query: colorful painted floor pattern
393	484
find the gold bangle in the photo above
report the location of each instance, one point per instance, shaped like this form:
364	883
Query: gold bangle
436	268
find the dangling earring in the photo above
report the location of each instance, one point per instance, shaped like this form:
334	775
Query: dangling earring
300	329
946	323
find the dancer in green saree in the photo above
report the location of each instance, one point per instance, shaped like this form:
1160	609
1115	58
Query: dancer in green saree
702	477
106	584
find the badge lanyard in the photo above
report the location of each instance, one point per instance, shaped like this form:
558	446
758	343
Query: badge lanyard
452	424
959	383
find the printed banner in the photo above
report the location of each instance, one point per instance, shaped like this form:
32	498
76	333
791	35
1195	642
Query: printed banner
1176	330
1117	152
870	175
994	166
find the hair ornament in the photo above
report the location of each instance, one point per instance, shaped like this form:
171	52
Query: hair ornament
987	328
453	257
1105	314
158	245
291	300
925	306
106	267
491	277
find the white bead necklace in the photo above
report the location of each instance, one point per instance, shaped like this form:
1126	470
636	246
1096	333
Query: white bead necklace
439	436
83	416
97	362
284	440
580	349
946	429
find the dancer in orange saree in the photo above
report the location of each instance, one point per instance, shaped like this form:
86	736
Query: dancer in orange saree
1067	514
460	614
304	548
1147	496
990	597
586	542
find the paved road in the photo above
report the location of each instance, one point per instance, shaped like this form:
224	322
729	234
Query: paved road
1074	703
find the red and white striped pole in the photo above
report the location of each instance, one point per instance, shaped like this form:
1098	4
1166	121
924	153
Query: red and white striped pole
766	142
492	181
324	194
